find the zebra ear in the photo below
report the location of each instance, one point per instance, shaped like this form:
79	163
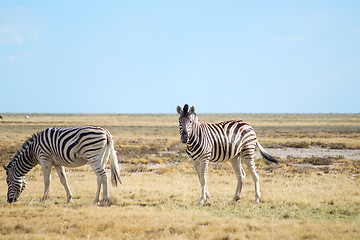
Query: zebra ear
192	110
5	168
179	110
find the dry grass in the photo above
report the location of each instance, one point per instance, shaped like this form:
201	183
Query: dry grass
149	205
302	198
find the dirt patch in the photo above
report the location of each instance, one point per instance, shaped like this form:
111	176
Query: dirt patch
352	154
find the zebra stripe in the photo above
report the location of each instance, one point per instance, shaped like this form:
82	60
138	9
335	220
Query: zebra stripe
64	147
219	142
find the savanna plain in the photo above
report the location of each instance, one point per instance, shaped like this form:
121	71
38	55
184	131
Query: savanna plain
313	197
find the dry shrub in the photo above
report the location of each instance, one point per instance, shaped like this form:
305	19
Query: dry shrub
300	169
297	144
356	166
176	146
166	170
140	168
337	146
318	160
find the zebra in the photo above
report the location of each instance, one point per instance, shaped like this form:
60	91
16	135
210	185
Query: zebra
64	147
219	142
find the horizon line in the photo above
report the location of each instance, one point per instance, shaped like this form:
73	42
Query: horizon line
148	113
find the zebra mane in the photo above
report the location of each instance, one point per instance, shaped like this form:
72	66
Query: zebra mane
186	110
29	141
24	147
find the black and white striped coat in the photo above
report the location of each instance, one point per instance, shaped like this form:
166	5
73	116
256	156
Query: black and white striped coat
219	142
64	147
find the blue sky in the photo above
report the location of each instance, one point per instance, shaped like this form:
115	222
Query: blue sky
150	56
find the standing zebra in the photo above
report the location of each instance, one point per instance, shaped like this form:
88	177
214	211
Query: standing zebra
64	147
219	142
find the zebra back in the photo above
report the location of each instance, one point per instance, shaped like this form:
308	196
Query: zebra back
68	145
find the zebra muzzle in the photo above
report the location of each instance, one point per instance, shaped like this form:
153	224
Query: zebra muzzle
11	200
184	137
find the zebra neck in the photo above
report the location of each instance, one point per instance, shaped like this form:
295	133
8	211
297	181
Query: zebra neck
196	137
24	161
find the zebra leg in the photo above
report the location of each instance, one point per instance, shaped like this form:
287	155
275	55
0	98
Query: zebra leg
240	173
46	168
61	172
101	180
97	195
249	160
104	176
201	169
105	200
97	163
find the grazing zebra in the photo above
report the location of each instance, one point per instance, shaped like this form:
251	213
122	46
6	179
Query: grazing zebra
219	142
64	147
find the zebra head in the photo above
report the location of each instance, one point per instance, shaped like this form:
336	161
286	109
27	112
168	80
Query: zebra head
15	184
185	121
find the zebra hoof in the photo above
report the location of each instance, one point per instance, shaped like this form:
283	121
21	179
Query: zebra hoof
69	200
235	199
104	202
204	203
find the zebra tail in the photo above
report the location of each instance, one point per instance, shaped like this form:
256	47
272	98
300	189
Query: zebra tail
114	166
265	155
